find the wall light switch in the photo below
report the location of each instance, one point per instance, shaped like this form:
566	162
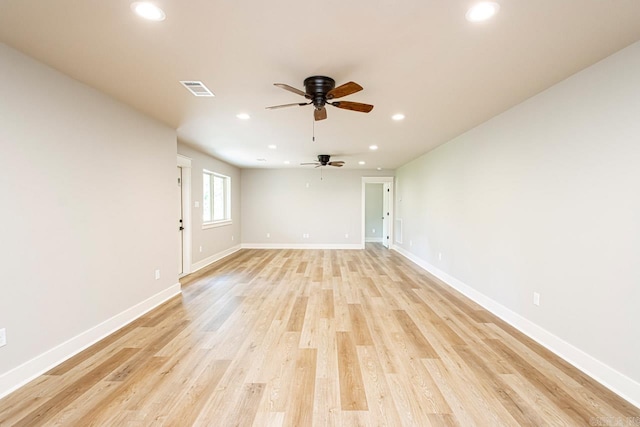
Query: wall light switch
536	298
373	230
346	235
439	256
196	204
157	274
3	337
200	249
268	235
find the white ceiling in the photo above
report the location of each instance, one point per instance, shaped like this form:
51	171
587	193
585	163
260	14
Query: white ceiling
418	57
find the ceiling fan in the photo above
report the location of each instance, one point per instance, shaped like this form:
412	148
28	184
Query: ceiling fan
323	160
321	90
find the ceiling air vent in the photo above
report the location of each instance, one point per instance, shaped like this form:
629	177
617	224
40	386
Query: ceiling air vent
197	88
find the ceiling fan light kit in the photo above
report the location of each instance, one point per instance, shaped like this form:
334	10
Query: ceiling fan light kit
320	91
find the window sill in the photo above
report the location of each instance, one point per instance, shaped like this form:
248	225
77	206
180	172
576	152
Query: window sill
215	224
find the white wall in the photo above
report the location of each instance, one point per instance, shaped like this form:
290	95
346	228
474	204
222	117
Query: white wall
87	214
215	241
545	198
287	203
373	211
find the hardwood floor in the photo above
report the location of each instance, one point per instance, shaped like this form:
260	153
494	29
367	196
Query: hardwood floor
315	337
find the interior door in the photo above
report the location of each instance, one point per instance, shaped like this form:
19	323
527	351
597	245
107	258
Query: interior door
180	223
385	214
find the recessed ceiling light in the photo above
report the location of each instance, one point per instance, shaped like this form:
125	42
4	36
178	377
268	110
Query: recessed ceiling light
148	11
482	11
243	116
261	160
272	146
379	168
361	162
286	162
398	116
373	147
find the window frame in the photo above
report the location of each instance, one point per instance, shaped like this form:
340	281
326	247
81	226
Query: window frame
227	220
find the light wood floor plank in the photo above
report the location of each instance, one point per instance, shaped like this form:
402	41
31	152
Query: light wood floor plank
315	337
299	410
352	393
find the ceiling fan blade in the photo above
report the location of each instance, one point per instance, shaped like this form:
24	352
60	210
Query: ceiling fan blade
275	107
344	90
353	106
320	113
305	164
290	89
338	164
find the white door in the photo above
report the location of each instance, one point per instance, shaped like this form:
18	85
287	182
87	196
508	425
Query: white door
180	223
385	214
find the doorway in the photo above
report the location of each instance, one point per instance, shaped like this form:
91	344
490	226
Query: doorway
180	225
183	215
374	212
377	201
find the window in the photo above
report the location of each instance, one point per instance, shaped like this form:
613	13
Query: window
216	199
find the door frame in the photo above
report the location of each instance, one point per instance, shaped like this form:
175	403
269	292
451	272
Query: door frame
185	163
377	180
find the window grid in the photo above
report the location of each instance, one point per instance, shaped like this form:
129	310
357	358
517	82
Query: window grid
216	206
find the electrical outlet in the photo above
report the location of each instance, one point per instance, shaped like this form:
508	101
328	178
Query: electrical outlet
307	185
346	235
200	249
157	274
373	230
305	236
3	337
268	235
536	298
196	204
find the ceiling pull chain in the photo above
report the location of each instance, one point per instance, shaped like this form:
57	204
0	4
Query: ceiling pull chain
313	138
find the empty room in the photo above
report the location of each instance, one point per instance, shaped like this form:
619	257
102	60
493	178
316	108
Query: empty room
421	213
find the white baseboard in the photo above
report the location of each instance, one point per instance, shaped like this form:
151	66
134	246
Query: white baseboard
302	246
373	239
21	375
615	381
213	258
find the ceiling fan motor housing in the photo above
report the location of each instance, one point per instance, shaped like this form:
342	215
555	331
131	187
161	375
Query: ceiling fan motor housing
324	159
317	88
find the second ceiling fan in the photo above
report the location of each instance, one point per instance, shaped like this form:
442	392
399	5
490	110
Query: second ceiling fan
320	91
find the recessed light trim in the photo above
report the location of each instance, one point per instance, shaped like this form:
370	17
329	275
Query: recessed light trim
243	116
361	162
261	159
272	146
148	11
379	168
398	117
373	147
482	11
286	162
